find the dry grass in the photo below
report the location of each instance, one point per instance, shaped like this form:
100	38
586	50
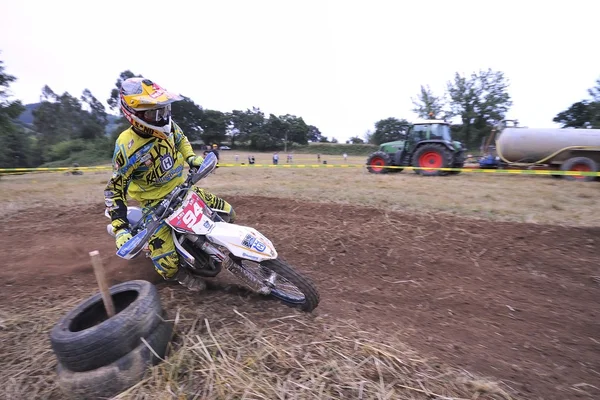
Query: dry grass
290	355
522	198
27	369
243	360
277	353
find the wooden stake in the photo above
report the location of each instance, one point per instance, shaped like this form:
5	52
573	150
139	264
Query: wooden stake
99	271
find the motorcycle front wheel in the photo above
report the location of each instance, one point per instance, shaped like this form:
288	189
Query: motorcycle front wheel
285	283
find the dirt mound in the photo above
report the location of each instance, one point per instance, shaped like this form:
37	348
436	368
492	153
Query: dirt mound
518	302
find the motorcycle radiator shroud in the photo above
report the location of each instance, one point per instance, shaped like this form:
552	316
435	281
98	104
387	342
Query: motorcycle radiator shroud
193	217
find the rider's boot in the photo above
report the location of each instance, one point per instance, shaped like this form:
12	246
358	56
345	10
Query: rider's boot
187	279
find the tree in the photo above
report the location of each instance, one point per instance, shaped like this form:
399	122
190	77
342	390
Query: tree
389	129
355	140
274	132
295	129
595	92
66	125
481	101
314	134
427	105
47	122
16	145
95	108
64	117
578	115
48	95
95	121
188	115
72	116
113	100
271	134
214	126
245	123
582	114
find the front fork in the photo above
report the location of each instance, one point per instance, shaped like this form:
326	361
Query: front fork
245	276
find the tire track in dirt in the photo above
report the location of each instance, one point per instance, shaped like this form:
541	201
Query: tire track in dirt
517	302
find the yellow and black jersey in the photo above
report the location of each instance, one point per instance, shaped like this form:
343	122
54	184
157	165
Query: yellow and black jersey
146	168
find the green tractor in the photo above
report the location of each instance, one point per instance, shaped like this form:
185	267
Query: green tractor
426	144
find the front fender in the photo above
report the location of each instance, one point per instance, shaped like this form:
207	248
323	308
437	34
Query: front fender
242	241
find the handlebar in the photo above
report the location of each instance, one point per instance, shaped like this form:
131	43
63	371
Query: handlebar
195	174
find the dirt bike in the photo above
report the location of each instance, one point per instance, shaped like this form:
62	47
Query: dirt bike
206	243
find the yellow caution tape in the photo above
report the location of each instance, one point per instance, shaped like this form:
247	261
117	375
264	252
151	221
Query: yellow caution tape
474	170
466	170
53	169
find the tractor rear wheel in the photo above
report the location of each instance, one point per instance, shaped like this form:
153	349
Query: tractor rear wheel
432	155
378	161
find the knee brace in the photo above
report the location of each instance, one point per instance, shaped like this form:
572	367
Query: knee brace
166	265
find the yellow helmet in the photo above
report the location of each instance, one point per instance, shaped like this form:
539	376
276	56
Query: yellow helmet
147	106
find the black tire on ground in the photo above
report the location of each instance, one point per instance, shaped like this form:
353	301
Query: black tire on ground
85	338
394	170
377	161
305	285
460	165
109	380
439	153
579	162
459	162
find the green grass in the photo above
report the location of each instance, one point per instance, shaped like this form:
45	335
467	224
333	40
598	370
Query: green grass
315	148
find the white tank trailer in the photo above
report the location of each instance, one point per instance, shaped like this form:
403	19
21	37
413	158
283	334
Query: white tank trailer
561	149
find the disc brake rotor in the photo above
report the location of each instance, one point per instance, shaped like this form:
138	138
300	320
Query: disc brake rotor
278	284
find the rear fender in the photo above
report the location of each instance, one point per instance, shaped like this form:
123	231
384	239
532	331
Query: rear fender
449	146
242	241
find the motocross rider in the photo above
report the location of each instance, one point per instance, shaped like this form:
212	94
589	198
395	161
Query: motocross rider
148	162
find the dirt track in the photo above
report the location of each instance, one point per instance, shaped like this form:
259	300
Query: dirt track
516	302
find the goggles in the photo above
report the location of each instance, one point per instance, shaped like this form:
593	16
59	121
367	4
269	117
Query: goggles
157	115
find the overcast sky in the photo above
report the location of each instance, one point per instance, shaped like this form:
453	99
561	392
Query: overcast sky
341	65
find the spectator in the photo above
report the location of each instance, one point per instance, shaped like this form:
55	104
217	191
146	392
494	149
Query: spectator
215	149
